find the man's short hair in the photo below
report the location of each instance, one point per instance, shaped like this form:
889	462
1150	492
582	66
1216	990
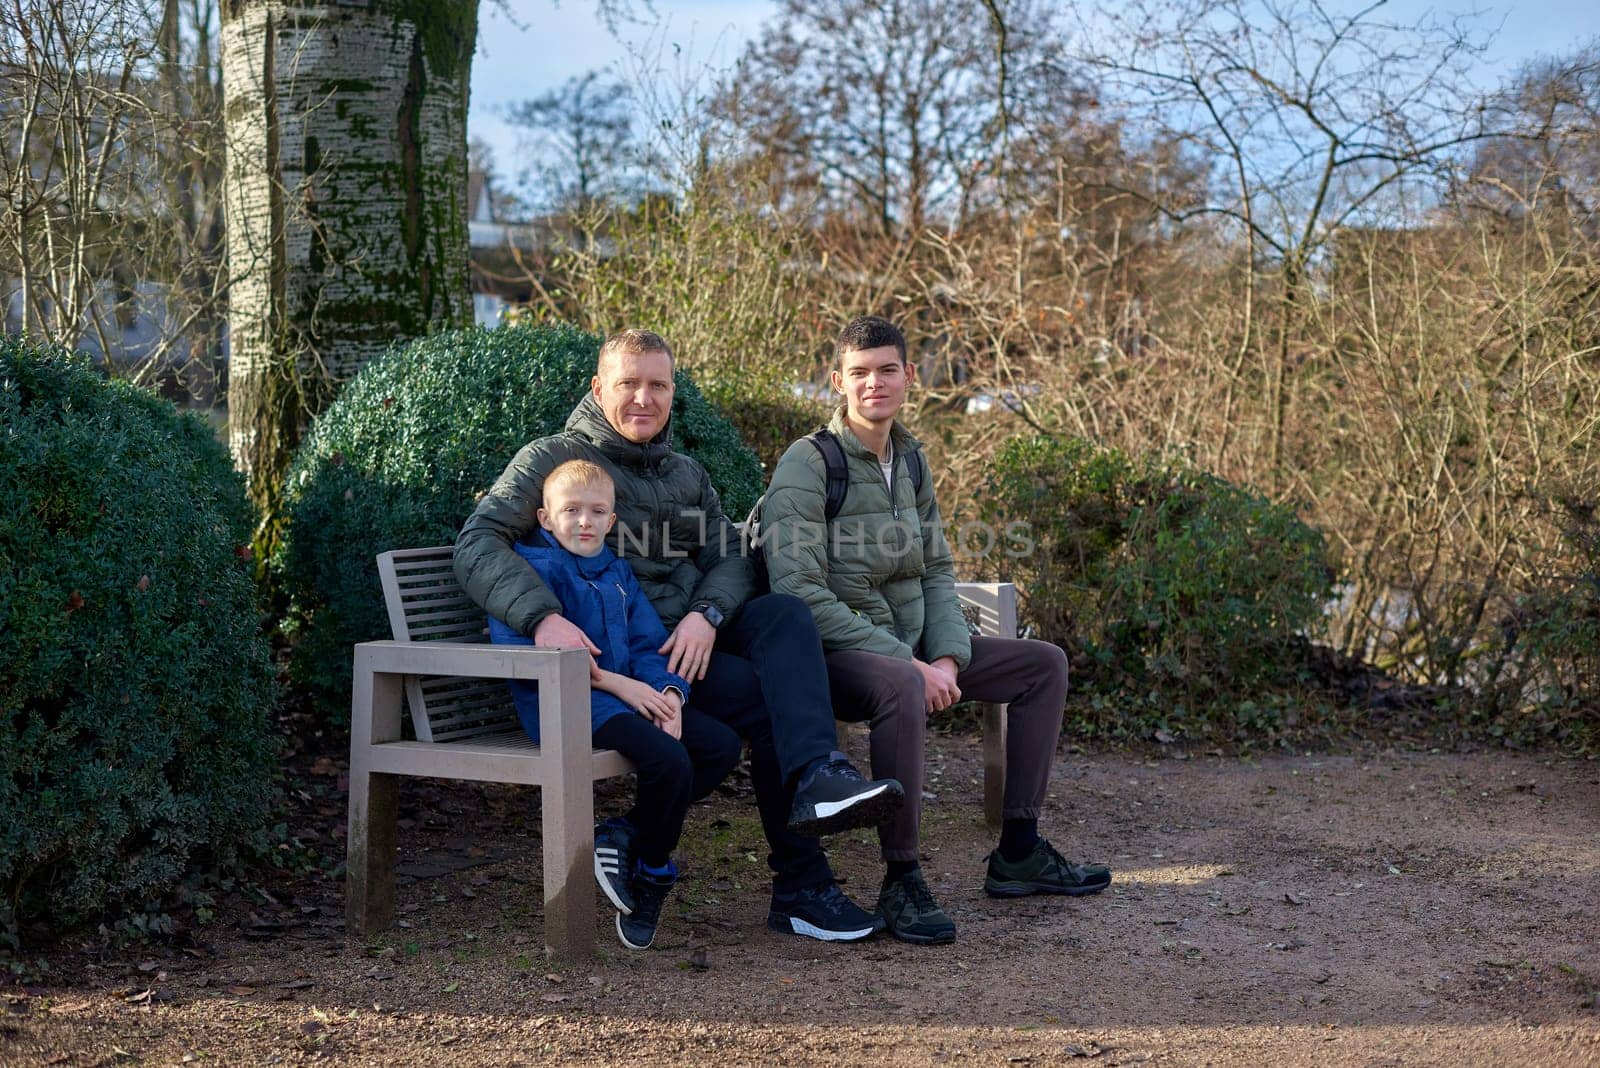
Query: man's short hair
869	332
634	343
578	473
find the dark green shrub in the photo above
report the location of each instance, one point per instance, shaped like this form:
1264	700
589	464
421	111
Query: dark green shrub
766	413
400	457
135	688
1184	593
1541	679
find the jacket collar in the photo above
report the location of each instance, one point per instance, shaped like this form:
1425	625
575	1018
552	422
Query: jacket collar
589	567
589	422
903	440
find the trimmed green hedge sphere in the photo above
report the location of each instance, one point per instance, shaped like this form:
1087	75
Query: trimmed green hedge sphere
1186	595
135	688
402	455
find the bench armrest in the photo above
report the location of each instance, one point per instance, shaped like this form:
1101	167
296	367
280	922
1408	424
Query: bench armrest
472	660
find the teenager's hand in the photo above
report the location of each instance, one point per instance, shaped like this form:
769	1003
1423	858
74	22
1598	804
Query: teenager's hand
652	704
560	632
939	684
688	648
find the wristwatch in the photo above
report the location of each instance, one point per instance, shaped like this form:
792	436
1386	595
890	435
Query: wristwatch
712	613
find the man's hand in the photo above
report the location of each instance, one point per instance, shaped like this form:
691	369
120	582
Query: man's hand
688	648
560	632
939	683
659	708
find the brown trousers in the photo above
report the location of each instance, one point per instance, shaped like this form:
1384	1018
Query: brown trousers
887	692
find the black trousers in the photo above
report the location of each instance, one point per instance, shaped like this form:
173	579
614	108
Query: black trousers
768	682
672	773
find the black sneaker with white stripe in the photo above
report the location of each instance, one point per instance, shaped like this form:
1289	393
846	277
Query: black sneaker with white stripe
832	796
823	913
614	861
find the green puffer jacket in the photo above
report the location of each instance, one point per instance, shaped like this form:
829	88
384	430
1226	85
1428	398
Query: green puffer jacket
881	580
670	526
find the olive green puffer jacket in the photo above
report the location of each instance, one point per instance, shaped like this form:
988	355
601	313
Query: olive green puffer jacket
670	526
881	580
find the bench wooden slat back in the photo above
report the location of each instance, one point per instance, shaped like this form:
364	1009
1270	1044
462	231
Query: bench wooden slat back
425	604
995	604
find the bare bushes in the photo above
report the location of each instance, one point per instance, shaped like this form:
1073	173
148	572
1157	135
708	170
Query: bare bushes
1439	427
728	285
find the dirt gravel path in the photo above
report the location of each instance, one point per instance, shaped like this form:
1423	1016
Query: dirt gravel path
1377	907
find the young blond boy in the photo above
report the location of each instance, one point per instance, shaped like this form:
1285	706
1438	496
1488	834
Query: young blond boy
638	704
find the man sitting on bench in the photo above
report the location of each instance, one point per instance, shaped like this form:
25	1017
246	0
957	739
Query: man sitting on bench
754	663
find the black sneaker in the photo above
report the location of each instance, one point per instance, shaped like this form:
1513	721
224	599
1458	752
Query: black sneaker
1044	871
638	928
613	861
823	913
911	914
832	796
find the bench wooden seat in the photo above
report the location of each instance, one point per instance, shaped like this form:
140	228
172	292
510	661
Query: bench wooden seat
441	666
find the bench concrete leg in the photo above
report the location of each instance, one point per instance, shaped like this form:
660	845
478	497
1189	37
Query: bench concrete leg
994	764
566	803
372	827
369	870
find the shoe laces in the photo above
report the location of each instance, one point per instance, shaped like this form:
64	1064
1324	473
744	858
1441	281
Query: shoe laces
827	898
1056	859
917	890
829	895
840	765
648	897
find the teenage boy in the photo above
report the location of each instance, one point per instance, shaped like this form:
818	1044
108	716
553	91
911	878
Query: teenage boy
754	663
879	581
637	708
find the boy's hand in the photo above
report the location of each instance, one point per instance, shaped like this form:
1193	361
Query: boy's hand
652	704
673	725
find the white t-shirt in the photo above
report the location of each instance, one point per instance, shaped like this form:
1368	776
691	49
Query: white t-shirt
888	468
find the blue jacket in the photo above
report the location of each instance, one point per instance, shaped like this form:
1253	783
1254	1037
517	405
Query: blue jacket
600	595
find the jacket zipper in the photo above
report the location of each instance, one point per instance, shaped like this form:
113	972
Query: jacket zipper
894	469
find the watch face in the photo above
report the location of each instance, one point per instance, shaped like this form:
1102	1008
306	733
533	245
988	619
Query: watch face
713	615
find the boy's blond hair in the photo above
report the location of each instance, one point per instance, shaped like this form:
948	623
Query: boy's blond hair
578	473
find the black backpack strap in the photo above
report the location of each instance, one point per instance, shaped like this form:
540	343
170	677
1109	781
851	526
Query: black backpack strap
838	474
919	470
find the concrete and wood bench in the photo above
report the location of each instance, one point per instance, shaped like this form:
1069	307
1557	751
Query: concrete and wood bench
463	726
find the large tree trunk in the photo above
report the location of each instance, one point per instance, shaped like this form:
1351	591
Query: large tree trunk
346	204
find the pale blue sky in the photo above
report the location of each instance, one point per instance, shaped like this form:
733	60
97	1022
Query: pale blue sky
557	41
